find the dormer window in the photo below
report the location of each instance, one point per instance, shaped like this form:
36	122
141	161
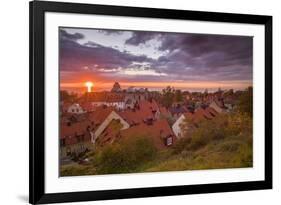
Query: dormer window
169	140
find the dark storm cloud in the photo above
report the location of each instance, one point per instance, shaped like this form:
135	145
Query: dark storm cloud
75	56
68	36
140	37
210	56
185	56
110	32
204	56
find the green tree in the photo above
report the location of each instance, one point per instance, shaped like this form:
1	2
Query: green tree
67	97
178	96
168	96
245	103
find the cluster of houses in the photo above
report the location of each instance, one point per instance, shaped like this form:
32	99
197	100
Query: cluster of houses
102	118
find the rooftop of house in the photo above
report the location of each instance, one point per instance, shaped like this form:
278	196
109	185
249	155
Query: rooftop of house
201	114
72	117
148	104
212	111
65	105
87	106
100	114
103	97
142	111
158	131
164	111
177	110
72	129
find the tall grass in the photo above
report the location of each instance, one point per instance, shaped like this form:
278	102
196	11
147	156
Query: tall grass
225	142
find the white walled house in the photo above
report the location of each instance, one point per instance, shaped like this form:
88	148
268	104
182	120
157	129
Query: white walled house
112	116
118	104
177	126
216	107
75	109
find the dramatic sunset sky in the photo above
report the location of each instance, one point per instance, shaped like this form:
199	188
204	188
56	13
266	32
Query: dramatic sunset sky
154	60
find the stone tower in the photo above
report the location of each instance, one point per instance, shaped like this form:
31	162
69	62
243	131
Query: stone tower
116	87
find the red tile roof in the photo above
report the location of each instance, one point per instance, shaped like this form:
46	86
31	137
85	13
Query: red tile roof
159	130
151	105
164	111
201	114
104	97
87	106
100	114
139	115
74	128
212	111
64	106
69	133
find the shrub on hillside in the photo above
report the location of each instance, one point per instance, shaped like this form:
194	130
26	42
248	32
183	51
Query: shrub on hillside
124	156
216	129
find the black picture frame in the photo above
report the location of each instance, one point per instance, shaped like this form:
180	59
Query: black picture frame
37	9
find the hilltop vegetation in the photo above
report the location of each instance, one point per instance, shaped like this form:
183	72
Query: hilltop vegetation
227	145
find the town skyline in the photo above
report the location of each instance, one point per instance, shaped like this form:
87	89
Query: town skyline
153	60
82	88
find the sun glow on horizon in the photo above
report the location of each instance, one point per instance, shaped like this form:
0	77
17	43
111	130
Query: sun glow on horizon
89	86
156	86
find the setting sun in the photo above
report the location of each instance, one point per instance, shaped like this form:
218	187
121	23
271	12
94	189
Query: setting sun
89	86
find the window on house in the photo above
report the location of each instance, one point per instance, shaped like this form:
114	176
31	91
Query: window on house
169	141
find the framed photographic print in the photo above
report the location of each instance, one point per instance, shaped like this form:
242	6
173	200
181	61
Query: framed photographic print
140	102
